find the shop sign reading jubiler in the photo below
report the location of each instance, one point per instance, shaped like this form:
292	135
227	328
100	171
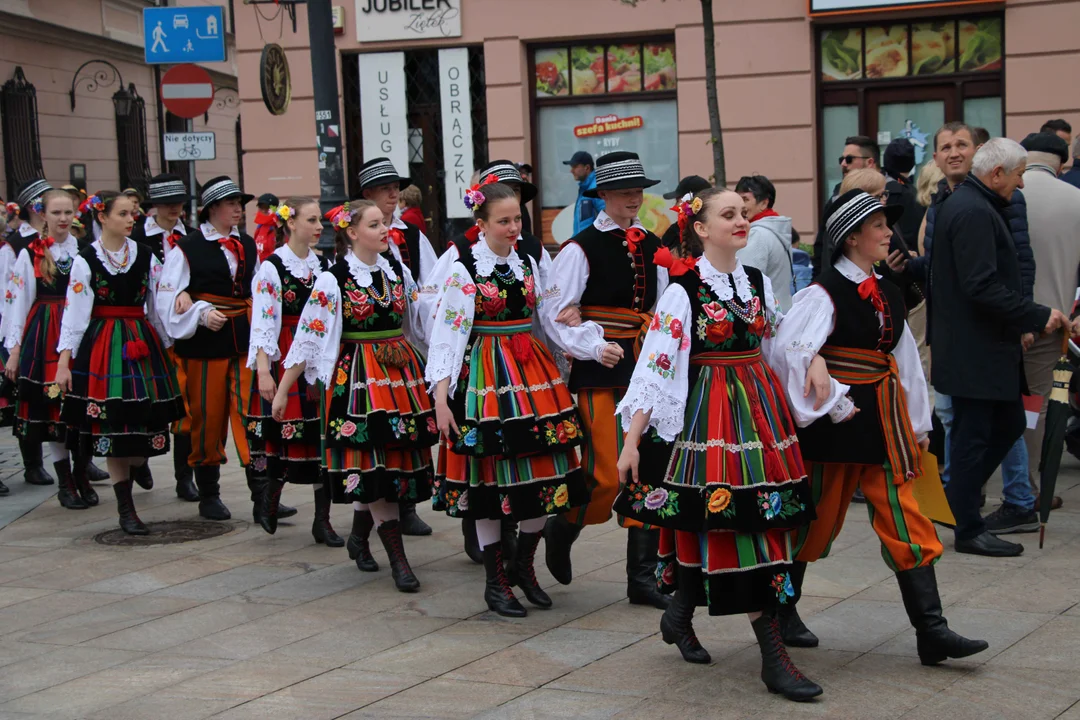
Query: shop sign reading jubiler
839	7
378	20
609	124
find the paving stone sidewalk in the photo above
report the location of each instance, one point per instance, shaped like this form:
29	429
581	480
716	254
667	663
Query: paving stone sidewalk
248	625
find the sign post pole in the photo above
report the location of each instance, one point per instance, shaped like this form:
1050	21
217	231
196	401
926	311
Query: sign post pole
193	218
327	117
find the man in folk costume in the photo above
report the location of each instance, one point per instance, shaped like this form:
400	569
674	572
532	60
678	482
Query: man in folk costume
608	270
855	384
381	183
160	231
204	297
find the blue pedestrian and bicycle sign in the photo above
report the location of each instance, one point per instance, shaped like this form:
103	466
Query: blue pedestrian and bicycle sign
184	35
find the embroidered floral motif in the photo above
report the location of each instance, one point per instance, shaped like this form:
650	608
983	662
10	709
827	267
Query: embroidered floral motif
103	446
432	426
292	431
554	497
663	502
470	437
78	288
506	509
716	327
348	430
158	442
661	364
95	411
341	375
720	502
458	321
352	481
266	287
781	583
316	327
779	504
52	391
402	427
561	432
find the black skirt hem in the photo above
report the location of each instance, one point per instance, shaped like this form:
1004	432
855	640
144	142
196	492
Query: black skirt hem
524	501
383	483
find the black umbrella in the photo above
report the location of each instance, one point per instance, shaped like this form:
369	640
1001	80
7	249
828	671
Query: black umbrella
1057	420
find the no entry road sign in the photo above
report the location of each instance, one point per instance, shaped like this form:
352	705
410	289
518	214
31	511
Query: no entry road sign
187	91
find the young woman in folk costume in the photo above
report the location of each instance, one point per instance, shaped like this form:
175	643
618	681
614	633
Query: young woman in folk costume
28	222
120	392
852	373
719	468
34	305
608	270
510	429
7	261
204	300
161	232
508	173
280	291
381	184
356	336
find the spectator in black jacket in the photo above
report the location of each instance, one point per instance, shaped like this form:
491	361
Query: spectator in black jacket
898	162
979	316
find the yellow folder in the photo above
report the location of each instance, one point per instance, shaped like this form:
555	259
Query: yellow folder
929	492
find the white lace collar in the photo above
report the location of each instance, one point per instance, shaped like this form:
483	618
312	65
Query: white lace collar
604	223
299	267
150	227
851	271
26	230
110	260
720	282
361	272
66	249
210	232
486	260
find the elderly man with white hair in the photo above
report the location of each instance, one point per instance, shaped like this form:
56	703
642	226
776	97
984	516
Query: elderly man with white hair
1054	224
979	319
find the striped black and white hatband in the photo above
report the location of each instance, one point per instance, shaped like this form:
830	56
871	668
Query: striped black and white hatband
380	171
31	191
620	171
507	172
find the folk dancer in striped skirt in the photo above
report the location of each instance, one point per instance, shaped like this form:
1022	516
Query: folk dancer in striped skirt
356	336
719	469
852	374
160	231
34	303
27	226
280	290
204	300
510	429
608	270
120	392
381	184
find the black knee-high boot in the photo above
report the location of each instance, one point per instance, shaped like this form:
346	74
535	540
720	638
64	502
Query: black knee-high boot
641	550
792	628
498	594
358	546
676	624
935	641
559	536
271	500
143	477
33	467
321	529
185	478
125	506
80	474
411	523
525	572
207	478
68	494
472	545
390	534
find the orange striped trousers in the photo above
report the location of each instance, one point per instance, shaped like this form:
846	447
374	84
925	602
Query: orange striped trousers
217	393
183	425
908	538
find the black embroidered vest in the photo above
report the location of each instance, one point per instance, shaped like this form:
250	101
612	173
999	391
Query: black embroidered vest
377	308
127	289
294	291
210	276
855	325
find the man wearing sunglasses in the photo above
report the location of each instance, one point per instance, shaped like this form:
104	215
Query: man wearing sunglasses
859	152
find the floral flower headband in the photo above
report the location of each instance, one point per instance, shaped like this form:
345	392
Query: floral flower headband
687	207
94	202
282	213
339	217
473	197
37	205
12	209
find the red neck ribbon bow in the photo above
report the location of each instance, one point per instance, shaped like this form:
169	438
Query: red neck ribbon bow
870	290
397	236
633	237
675	266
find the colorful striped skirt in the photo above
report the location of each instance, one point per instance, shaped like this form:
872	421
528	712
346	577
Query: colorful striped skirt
7	393
124	394
293	447
730	488
37	406
516	452
380	422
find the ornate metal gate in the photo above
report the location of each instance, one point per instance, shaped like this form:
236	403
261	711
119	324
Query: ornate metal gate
22	144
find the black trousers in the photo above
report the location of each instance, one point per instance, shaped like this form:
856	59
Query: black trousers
983	431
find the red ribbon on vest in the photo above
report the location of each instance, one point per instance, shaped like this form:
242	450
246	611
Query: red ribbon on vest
236	247
870	290
675	266
38	248
173	238
633	237
397	236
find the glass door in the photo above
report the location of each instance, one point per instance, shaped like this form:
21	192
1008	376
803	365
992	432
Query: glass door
912	113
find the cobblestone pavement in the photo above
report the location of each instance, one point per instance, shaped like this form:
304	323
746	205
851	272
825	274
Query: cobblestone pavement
248	625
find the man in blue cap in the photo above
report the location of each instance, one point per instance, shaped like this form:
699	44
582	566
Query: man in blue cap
586	209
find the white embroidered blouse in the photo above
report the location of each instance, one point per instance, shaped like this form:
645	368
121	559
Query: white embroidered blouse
151	228
663	390
80	293
21	289
319	349
800	336
266	301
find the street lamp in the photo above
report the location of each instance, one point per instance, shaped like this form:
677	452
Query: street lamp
122	101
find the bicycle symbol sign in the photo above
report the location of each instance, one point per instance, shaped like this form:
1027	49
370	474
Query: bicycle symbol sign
190	146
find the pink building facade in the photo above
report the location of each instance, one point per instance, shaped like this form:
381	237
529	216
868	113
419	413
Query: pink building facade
43	43
794	78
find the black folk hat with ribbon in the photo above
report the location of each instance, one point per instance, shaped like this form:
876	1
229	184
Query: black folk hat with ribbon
380	171
507	172
31	191
167	189
847	213
620	171
218	189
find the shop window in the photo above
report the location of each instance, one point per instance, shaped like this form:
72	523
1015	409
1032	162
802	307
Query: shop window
597	69
22	144
906	79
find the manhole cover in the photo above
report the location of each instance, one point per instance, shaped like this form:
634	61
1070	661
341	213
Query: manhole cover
166	533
